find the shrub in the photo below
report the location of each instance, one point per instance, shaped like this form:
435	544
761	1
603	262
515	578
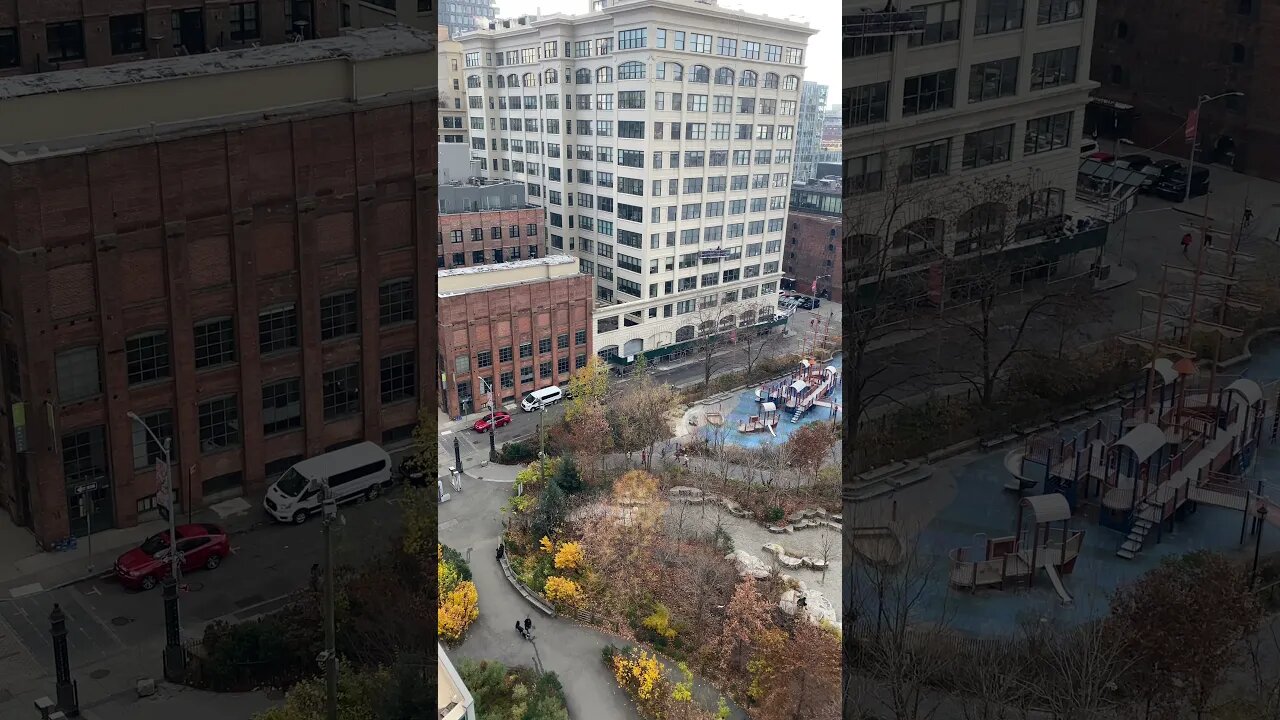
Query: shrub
774	514
569	556
454	558
562	590
641	675
458	610
514	692
660	622
519	451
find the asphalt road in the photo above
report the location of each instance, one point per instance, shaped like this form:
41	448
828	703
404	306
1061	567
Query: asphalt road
268	564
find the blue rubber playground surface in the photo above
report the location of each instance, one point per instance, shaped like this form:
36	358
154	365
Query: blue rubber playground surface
983	509
747	406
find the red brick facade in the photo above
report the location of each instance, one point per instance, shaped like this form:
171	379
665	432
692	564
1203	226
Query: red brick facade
813	250
101	246
470	225
31	19
500	321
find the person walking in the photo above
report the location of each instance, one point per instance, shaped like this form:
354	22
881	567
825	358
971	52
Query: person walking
1208	240
501	551
1186	243
520	629
528	626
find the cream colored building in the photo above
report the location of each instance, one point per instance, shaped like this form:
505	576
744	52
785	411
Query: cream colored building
372	13
453	96
453	699
659	135
948	93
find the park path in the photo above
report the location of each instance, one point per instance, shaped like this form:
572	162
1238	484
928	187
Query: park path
471	523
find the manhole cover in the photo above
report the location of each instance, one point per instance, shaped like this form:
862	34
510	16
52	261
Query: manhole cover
250	601
121	621
99	673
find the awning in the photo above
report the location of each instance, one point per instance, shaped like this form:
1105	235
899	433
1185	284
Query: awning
1111	172
1144	441
1163	368
1248	390
1114	105
1048	508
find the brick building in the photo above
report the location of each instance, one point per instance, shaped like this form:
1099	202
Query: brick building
247	274
41	35
813	239
486	221
1154	65
519	325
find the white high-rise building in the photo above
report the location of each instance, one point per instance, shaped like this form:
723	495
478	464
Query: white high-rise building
813	105
659	135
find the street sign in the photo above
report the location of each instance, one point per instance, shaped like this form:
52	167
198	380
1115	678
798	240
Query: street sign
83	488
19	415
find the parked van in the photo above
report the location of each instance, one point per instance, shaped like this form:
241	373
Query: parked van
354	471
539	399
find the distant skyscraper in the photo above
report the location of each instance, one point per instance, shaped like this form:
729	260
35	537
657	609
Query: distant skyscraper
465	15
813	102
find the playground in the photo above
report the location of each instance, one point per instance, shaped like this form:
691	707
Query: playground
769	413
1049	526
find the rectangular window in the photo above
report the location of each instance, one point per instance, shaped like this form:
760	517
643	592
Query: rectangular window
341	392
1053	11
147	357
1054	68
145	450
927	93
867	104
64	41
281	406
78	374
997	16
244	21
127	34
991	80
987	147
9	53
215	342
941	24
339	313
923	161
1047	133
277	329
699	43
219	421
773	53
631	39
396	302
398	377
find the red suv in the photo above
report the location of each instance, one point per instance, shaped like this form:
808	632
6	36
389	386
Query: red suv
498	419
200	545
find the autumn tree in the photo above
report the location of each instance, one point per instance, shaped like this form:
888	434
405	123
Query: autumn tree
589	437
805	681
643	416
426	440
809	445
1184	624
588	386
746	623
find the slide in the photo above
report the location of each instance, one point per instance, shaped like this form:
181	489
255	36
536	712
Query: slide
771	430
1056	579
828	380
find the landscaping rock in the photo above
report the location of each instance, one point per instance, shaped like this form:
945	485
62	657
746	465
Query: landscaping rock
749	565
146	687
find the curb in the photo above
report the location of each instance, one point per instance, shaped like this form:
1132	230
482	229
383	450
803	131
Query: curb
520	587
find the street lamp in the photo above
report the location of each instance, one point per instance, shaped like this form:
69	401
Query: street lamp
1195	134
486	386
1257	546
174	658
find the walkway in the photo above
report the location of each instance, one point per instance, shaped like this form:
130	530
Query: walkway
472	524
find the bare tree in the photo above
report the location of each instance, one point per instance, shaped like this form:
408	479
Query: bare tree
714	321
1076	670
751	341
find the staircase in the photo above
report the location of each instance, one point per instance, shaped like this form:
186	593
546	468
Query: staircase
799	412
1145	518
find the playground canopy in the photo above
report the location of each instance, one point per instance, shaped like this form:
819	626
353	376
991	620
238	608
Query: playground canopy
1144	440
1048	508
1248	389
1164	368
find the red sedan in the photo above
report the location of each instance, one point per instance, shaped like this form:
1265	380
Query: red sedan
200	546
497	420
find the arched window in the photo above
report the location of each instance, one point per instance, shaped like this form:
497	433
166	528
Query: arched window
604	75
748	78
473	81
790	82
919	235
748	318
631	71
771	80
706	327
724	76
502	81
700	74
529	80
727	322
513	81
677	71
982	222
684	334
550	77
582	76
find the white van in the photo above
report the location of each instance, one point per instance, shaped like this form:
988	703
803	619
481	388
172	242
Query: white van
354	471
539	399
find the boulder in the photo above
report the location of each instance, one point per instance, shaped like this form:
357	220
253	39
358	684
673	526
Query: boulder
749	565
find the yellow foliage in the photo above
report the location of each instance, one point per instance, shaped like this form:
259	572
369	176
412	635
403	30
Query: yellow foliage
660	622
569	556
635	485
562	590
639	673
548	547
458	610
447	578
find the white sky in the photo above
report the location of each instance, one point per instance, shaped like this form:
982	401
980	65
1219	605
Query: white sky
822	64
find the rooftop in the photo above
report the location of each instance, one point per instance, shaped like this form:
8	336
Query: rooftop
823	186
709	7
463	280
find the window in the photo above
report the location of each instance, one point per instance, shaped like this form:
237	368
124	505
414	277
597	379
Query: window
78	376
923	161
9	53
398	377
699	74
941	24
127	34
794	56
1047	133
864	174
997	16
987	147
147	357
773	53
215	342
748	79
281	406
1052	11
244	21
604	75
341	392
395	302
1245	7
277	329
1237	53
991	80
699	43
64	41
338	313
145	450
927	93
219	424
1054	68
631	71
631	39
867	104
604	46
791	82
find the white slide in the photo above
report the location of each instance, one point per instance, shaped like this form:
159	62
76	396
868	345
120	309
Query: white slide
1056	579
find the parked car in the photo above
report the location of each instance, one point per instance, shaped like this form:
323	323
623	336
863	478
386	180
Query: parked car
1150	176
1135	162
200	546
1174	187
1100	156
1167	167
496	419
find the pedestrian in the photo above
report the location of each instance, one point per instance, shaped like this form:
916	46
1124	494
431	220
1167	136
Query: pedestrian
528	625
520	629
501	550
1208	240
1186	243
315	577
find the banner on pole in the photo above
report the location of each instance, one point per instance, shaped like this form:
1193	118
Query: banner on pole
164	493
1193	121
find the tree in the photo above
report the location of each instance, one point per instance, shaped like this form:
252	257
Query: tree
808	446
551	511
712	317
753	342
1184	623
567	476
806	676
426	439
363	694
420	514
746	622
588	386
590	437
1077	668
643	416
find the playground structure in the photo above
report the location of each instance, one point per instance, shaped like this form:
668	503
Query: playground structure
809	386
1018	558
766	420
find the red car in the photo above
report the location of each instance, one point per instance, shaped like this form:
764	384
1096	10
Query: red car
497	419
200	545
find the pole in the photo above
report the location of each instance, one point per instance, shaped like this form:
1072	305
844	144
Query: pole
542	444
457	455
330	630
87	503
1191	157
186	498
1257	545
493	447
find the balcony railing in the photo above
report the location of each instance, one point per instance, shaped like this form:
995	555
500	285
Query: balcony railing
871	24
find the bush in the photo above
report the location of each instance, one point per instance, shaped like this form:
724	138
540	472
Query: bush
774	514
454	558
272	651
569	556
514	692
458	609
562	590
517	452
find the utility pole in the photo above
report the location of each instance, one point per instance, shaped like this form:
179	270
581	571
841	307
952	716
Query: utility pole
542	444
330	654
493	447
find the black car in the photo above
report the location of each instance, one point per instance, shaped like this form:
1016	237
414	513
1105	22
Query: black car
1168	167
1174	187
1135	162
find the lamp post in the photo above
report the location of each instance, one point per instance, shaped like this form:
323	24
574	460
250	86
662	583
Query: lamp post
1257	545
1195	134
174	658
487	386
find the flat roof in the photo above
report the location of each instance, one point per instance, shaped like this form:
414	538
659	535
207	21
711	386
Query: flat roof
478	278
389	40
503	26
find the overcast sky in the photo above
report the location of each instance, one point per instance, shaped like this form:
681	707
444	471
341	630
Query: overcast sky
822	64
